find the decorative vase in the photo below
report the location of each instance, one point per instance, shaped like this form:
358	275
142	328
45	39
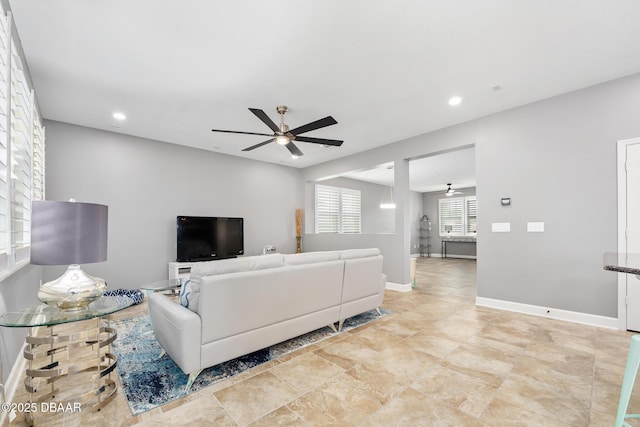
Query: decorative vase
298	247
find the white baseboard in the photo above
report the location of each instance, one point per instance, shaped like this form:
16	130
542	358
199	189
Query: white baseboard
551	313
437	255
14	380
398	287
457	256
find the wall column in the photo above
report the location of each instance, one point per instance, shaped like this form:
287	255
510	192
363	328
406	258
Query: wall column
402	242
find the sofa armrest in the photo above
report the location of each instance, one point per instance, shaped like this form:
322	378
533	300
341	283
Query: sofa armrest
178	330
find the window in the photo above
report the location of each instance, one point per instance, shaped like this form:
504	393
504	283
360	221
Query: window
457	216
337	210
21	155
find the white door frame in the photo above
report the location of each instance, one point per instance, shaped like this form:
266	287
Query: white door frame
622	227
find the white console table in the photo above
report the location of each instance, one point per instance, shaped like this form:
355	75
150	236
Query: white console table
180	270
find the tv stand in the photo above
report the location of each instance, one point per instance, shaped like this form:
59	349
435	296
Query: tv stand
182	270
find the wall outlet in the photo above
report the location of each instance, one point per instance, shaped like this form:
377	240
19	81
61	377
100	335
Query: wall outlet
501	227
535	227
269	249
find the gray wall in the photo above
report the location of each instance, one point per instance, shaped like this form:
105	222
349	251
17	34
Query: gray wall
430	202
415	214
146	184
556	159
16	292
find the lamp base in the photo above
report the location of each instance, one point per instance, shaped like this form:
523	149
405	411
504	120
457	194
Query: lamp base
74	290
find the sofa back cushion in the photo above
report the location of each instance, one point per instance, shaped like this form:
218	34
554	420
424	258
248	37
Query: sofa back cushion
311	257
362	277
190	292
245	301
359	253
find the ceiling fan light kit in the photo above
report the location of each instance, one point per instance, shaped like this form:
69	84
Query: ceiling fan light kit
450	191
282	135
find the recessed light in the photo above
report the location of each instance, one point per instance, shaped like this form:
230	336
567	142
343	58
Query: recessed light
455	100
119	116
293	156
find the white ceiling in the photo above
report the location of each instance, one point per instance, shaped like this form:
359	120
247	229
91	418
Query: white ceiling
428	174
384	70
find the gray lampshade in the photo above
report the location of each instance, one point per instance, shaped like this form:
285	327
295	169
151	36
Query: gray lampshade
64	233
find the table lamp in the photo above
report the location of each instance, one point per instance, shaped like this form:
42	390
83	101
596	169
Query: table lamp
69	233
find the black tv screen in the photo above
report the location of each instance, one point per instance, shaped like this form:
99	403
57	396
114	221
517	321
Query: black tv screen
202	238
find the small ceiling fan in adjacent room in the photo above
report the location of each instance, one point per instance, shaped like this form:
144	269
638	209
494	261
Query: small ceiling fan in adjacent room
285	136
451	191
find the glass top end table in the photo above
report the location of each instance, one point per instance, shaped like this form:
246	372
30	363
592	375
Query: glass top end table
45	315
163	285
70	364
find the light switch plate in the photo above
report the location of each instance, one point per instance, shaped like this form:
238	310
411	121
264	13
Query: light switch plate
535	227
501	227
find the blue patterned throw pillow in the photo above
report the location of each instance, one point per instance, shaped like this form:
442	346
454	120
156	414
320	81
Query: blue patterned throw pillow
135	294
185	293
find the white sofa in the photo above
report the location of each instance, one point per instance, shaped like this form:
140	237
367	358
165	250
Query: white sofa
242	305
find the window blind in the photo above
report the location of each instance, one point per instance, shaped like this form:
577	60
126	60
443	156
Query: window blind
338	210
327	209
350	211
21	157
470	211
451	214
21	151
4	154
37	189
460	213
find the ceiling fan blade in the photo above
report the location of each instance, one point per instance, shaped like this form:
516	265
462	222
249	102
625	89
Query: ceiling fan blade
265	119
327	121
323	141
294	150
244	133
259	145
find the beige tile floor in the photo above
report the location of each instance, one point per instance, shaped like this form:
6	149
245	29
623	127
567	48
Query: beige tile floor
437	360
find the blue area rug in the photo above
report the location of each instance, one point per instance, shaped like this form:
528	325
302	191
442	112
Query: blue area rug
149	381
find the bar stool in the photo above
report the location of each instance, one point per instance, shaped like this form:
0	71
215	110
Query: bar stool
633	361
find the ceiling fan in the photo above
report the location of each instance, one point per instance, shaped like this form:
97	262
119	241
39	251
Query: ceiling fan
450	191
285	136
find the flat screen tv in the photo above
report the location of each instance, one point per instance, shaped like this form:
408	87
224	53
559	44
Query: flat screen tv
202	238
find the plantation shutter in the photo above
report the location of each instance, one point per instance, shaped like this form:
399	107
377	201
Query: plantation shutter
350	211
21	157
4	159
337	210
471	209
327	209
37	190
451	214
21	151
